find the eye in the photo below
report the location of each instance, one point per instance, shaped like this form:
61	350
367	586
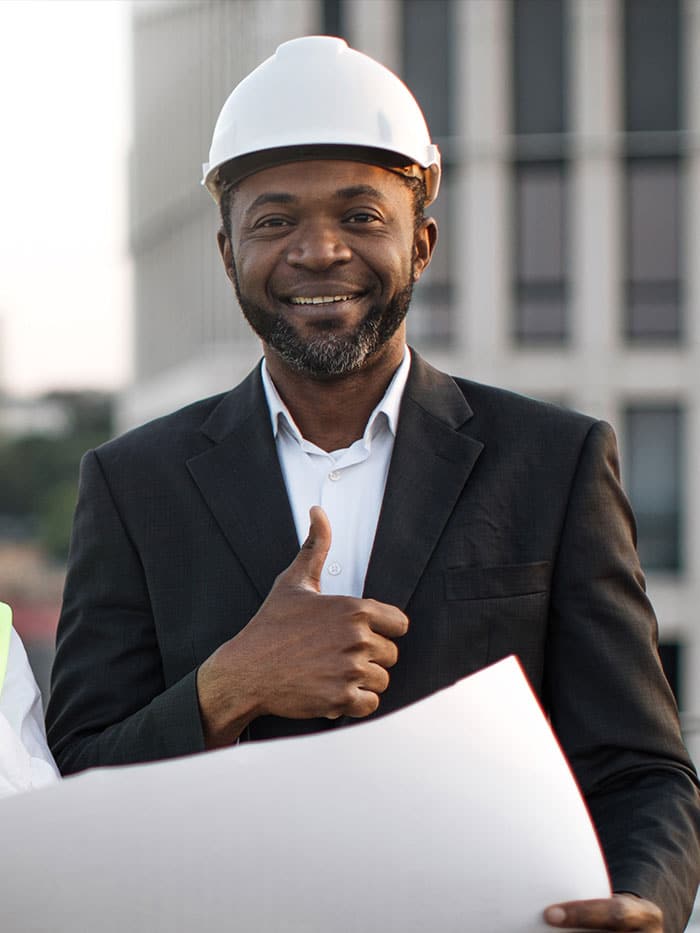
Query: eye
271	222
362	217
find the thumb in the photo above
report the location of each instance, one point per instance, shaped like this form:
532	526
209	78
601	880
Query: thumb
308	564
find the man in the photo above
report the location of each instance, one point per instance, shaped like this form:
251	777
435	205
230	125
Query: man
445	524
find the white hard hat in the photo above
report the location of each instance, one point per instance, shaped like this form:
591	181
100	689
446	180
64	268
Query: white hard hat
316	92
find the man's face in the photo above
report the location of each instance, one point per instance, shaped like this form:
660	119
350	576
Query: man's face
324	255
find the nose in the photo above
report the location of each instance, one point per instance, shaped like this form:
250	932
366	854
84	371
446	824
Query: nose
318	246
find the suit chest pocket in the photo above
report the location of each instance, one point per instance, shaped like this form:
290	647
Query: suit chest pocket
506	582
465	618
506	605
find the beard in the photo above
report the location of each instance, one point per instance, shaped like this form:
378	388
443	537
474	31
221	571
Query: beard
327	352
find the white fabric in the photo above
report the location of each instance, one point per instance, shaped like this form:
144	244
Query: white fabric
348	484
25	759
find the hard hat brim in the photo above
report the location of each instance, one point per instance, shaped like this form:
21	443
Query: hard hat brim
235	170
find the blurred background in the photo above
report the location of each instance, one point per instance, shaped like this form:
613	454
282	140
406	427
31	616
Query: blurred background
568	265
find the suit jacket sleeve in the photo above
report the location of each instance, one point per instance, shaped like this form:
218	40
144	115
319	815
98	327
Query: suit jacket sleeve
609	701
109	703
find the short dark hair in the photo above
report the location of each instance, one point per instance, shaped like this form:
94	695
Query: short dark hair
416	185
228	189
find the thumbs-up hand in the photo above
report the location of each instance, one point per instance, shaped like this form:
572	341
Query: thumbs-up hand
302	654
306	568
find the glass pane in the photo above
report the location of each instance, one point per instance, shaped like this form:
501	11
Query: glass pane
654	310
427	42
653	248
332	18
429	317
429	320
652	65
653	481
652	211
541	317
540	253
538	66
540	222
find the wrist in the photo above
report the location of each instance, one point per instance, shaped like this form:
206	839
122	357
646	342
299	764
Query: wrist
223	715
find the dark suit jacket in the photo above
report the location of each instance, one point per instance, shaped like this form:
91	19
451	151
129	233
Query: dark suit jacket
503	530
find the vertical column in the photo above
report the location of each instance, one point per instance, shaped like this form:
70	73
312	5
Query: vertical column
691	207
276	21
482	226
691	272
373	27
595	197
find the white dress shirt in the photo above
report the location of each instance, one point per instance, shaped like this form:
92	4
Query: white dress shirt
25	759
348	484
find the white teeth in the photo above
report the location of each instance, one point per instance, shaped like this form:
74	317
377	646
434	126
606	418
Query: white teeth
320	300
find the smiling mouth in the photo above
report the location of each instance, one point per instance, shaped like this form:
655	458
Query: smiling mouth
321	299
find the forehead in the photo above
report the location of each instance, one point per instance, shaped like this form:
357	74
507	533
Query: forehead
323	180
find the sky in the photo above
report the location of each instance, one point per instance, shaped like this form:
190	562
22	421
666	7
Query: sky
64	127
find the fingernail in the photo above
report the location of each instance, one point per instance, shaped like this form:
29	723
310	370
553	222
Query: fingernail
555	915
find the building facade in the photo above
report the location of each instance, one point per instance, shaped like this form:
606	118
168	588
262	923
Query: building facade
569	216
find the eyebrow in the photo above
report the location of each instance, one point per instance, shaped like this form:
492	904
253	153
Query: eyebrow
272	197
356	191
343	194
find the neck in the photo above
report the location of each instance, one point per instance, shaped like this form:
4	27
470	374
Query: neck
332	412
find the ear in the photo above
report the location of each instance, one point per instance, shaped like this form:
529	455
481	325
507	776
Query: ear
226	252
423	245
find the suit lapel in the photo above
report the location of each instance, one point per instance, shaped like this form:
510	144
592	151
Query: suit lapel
241	481
429	467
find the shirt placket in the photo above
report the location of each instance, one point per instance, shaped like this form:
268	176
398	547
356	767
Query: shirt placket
337	494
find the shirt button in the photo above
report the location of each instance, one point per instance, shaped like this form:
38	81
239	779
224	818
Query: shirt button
334	568
334	476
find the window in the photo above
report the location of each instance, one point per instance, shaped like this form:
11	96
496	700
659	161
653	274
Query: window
538	66
332	18
427	70
539	172
540	252
653	296
652	65
653	249
426	45
653	444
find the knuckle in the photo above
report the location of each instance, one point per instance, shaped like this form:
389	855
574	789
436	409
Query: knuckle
355	668
384	680
362	638
346	697
618	912
348	701
342	702
359	616
368	703
361	703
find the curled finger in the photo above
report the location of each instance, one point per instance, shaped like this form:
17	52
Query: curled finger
624	912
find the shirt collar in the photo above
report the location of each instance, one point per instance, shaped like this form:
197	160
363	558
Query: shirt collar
389	405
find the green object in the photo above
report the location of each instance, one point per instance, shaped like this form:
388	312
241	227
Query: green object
5	629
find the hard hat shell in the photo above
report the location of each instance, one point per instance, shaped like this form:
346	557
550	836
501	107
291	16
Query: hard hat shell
316	92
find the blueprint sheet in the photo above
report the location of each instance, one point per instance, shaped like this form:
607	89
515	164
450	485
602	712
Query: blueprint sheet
458	813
